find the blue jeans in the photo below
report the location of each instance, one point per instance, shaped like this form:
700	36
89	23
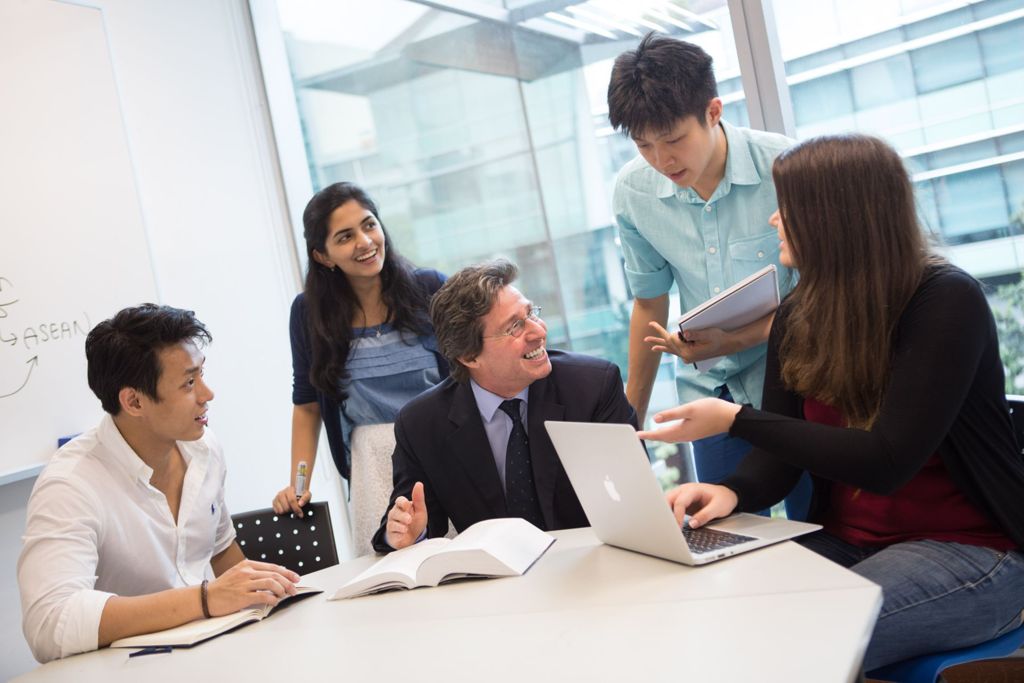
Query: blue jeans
936	595
715	458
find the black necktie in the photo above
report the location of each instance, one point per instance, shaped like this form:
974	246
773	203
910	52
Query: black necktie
520	493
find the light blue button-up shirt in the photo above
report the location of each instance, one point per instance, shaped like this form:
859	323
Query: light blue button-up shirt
669	234
497	423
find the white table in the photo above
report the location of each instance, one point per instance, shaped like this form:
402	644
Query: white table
585	611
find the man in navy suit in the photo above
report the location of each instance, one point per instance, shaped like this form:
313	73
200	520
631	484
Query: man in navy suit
474	447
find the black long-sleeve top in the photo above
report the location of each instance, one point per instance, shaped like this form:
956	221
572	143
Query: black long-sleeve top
945	396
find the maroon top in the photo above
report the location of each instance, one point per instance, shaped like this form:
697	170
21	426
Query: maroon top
929	506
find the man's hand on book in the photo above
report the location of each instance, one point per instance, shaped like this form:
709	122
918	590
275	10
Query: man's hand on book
407	519
250	583
697	344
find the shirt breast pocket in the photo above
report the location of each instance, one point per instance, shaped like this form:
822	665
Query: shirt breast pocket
750	254
205	521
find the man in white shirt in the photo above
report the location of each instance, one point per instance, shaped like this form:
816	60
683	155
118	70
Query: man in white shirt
127	531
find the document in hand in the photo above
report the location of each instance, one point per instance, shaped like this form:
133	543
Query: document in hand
195	632
741	304
494	547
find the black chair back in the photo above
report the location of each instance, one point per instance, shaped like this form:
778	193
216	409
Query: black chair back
1017	416
303	544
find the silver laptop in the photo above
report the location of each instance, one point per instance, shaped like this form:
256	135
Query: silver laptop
609	469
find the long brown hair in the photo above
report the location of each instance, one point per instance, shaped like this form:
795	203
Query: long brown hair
847	204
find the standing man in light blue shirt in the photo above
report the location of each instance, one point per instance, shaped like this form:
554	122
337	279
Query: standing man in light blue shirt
693	209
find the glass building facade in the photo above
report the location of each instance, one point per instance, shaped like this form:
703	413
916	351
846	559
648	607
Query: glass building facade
481	129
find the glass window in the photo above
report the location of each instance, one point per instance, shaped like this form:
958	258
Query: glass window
948	63
983	217
993	8
1009	144
822	59
955	113
482	137
927	207
883	81
1002	48
897	120
962	154
1006	107
872	42
822	99
947	95
1013	174
937	23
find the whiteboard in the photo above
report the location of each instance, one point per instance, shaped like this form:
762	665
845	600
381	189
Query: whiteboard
73	247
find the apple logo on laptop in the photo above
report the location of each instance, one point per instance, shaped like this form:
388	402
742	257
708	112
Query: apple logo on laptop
609	486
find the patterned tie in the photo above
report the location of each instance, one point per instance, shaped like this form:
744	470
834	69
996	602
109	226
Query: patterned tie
520	493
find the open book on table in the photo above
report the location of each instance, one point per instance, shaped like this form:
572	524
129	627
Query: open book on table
195	632
494	547
746	301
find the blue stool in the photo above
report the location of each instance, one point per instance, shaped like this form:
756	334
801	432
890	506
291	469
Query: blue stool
926	668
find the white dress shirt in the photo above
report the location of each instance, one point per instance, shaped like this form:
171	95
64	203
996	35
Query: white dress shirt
97	528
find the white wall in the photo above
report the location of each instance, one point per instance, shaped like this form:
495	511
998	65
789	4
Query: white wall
16	656
207	176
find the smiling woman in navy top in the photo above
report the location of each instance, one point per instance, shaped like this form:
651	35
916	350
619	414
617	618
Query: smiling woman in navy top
362	345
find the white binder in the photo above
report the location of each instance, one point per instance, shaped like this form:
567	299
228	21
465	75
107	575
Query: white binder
749	299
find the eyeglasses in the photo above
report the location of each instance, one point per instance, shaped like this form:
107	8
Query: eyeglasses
517	328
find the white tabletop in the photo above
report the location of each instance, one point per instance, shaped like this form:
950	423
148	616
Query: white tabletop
585	610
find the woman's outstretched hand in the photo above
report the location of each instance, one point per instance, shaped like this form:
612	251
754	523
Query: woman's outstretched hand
697	419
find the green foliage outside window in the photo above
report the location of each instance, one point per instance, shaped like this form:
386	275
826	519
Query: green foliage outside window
1009	314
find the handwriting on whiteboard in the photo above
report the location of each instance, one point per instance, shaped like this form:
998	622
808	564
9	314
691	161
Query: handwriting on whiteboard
18	337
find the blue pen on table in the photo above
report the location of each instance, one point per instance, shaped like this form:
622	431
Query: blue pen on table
153	650
300	480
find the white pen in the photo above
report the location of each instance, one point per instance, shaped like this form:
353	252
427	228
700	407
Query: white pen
300	480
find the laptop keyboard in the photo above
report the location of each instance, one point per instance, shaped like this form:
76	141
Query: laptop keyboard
703	540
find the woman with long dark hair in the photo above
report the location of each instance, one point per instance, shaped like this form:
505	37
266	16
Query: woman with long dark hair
884	382
362	345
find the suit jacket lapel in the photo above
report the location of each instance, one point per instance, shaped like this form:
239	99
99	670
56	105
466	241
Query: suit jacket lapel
467	444
544	405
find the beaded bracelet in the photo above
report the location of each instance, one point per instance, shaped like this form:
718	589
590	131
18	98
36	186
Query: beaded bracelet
204	597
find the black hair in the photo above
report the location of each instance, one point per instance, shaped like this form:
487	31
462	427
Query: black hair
331	302
123	351
660	82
